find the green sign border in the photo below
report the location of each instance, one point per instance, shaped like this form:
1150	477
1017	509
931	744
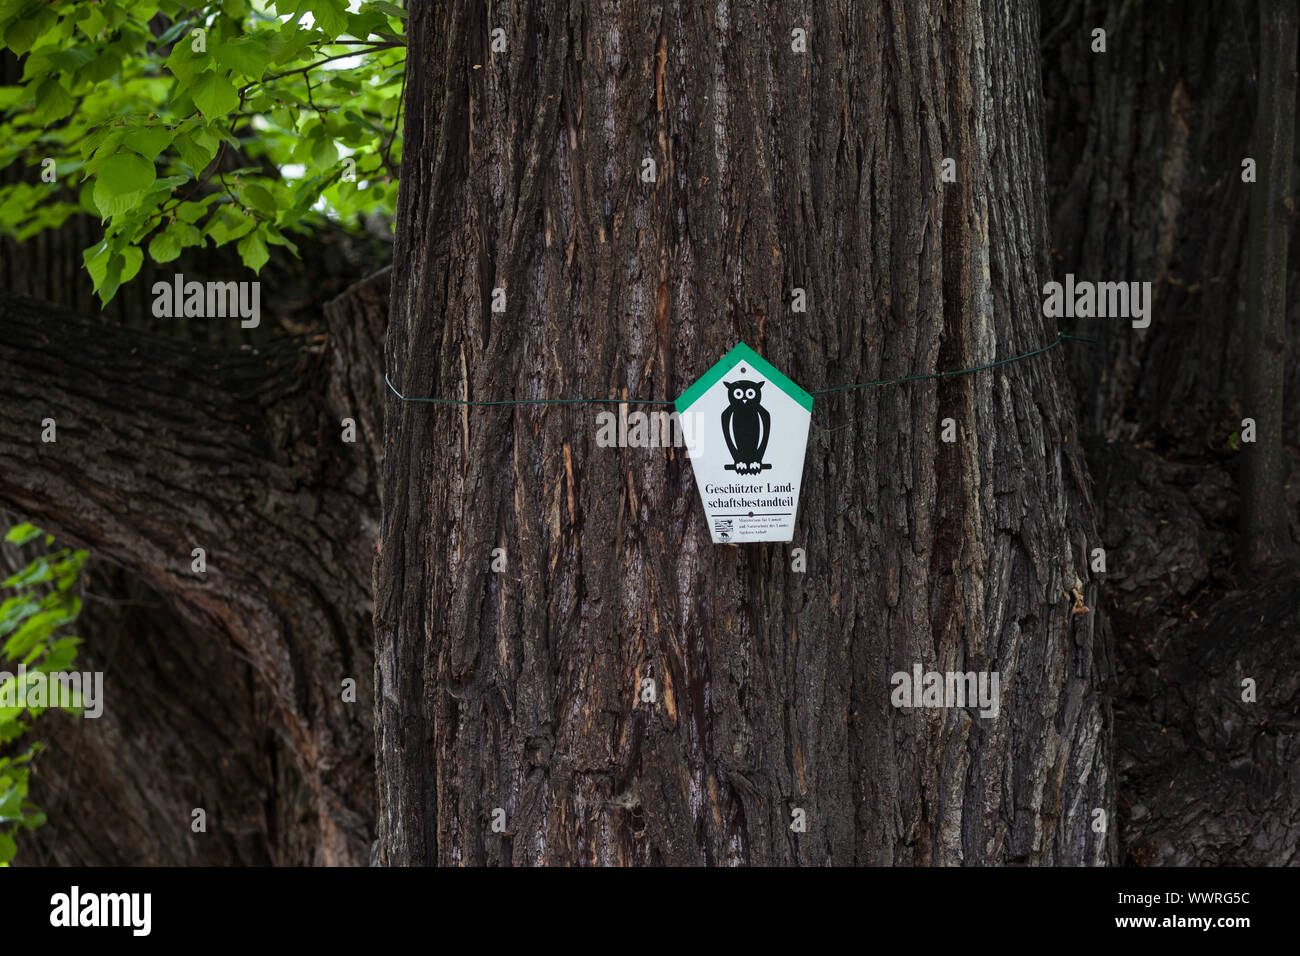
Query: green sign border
742	353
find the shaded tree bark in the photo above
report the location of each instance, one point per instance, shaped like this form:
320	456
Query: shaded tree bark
1144	177
194	697
1145	183
776	170
188	724
1206	770
164	446
1267	533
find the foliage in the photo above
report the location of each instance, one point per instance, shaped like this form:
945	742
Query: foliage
139	109
44	602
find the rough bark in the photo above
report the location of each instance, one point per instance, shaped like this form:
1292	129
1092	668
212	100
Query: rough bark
775	170
99	780
1145	184
164	446
189	725
1268	526
1205	777
1194	732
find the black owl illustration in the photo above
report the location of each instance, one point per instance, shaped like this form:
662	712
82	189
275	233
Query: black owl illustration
746	425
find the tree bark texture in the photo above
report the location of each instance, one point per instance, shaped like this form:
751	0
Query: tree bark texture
1145	184
163	446
195	704
775	170
188	724
1205	777
1267	534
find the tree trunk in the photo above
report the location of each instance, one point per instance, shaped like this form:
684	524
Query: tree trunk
1145	182
185	694
775	170
1266	536
164	446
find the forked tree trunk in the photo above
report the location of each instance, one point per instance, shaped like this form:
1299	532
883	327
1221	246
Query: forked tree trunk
163	446
183	691
776	170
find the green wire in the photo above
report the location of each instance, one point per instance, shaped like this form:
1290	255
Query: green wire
1061	337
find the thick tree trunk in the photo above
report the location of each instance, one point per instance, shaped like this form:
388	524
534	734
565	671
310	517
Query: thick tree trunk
1145	176
775	170
162	447
1267	526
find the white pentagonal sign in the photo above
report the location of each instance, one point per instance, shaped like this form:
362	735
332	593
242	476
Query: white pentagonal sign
748	431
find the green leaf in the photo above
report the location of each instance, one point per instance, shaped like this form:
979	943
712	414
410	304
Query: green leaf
111	206
132	257
11	805
125	173
21	33
330	16
165	245
391	9
14	611
248	56
22	533
193	211
106	64
215	95
184	62
39	627
112	279
71	60
324	153
172	32
253	251
96	261
196	149
259	199
53	102
92	24
148	141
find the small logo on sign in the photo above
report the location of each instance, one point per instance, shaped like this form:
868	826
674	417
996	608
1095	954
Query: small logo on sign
746	426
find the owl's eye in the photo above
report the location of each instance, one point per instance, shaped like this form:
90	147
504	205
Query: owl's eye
750	393
738	394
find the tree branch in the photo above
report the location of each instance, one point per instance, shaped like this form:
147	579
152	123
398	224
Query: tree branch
164	446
